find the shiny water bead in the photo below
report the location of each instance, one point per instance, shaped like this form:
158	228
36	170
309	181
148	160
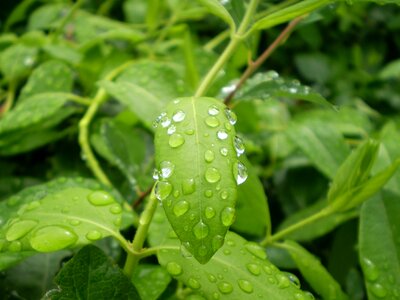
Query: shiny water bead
212	175
100	198
165	121
188	186
52	238
171	129
213	110
222	134
231	116
166	169
93	235
178	116
176	140
225	287
239	146
180	208
228	216
200	230
162	190
174	268
245	286
209	212
240	172
212	122
223	151
209	155
19	229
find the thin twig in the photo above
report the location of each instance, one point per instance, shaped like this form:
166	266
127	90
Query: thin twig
141	197
253	66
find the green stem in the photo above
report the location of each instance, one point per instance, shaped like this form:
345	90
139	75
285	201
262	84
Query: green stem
284	232
65	20
10	97
141	234
216	40
229	50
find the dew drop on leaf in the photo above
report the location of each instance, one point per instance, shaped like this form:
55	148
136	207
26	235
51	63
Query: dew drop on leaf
227	252
174	269
176	140
283	281
93	235
223	151
33	205
228	216
100	198
115	209
224	195
189	132
162	190
180	208
208	193
52	238
20	229
213	110
184	250
200	230
212	175
203	250
15	246
254	269
209	156
370	270
165	121
188	186
256	250
222	134
193	283
209	212
171	129
225	287
240	172
217	242
245	285
231	116
74	222
378	290
166	169
239	146
212	122
156	174
179	116
292	278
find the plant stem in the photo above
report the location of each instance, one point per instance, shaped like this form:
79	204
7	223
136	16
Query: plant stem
253	66
141	233
8	103
229	50
284	232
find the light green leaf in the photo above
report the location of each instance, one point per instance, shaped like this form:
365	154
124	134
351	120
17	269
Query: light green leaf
63	52
322	143
391	70
239	270
150	281
16	61
198	172
90	274
47	16
314	272
216	8
379	247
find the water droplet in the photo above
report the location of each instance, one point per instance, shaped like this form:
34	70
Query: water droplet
192	216
74	222
370	270
209	156
212	175
189	132
193	283
93	235
176	193
223	151
230	243
283	281
245	286
203	250
179	116
166	169
209	212
180	208
268	270
212	122
116	209
225	287
15	246
162	190
227	252
184	250
378	290
171	129
228	126
52	238
222	134
217	242
216	296
176	140
20	229
213	110
100	198
224	195
156	174
165	121
208	193
117	222
292	278
174	269
256	250
188	186
200	230
211	278
254	269
33	205
228	216
240	172
239	146
299	296
231	116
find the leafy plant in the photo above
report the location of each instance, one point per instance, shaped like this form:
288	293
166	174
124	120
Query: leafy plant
123	132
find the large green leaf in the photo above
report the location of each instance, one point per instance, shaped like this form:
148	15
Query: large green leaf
150	281
198	169
379	247
17	60
314	272
92	275
239	270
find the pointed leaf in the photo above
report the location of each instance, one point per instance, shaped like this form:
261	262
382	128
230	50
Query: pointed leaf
216	8
198	170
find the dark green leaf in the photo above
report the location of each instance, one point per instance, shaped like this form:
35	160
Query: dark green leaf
150	281
91	275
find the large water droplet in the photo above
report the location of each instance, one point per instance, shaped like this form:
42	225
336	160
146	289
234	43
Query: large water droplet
193	283
166	169
228	216
283	281
256	250
52	238
212	122
156	174
370	270
212	175
200	230
176	140
180	208
245	286
171	129
225	287
292	278
100	198
222	134
174	269
209	212
239	146
209	156
240	172
20	229
254	269
231	116
213	110
188	186
15	246
179	116
217	242
93	235
162	190
378	290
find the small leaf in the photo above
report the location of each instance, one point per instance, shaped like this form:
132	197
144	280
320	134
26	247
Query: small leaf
16	61
47	16
198	171
216	8
391	70
239	270
314	272
379	247
150	281
91	275
63	52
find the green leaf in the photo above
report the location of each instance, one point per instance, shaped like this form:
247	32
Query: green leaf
314	272
16	61
391	70
150	281
270	85
322	143
18	13
51	76
198	171
239	270
252	215
379	248
64	53
61	214
91	275
47	16
216	8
